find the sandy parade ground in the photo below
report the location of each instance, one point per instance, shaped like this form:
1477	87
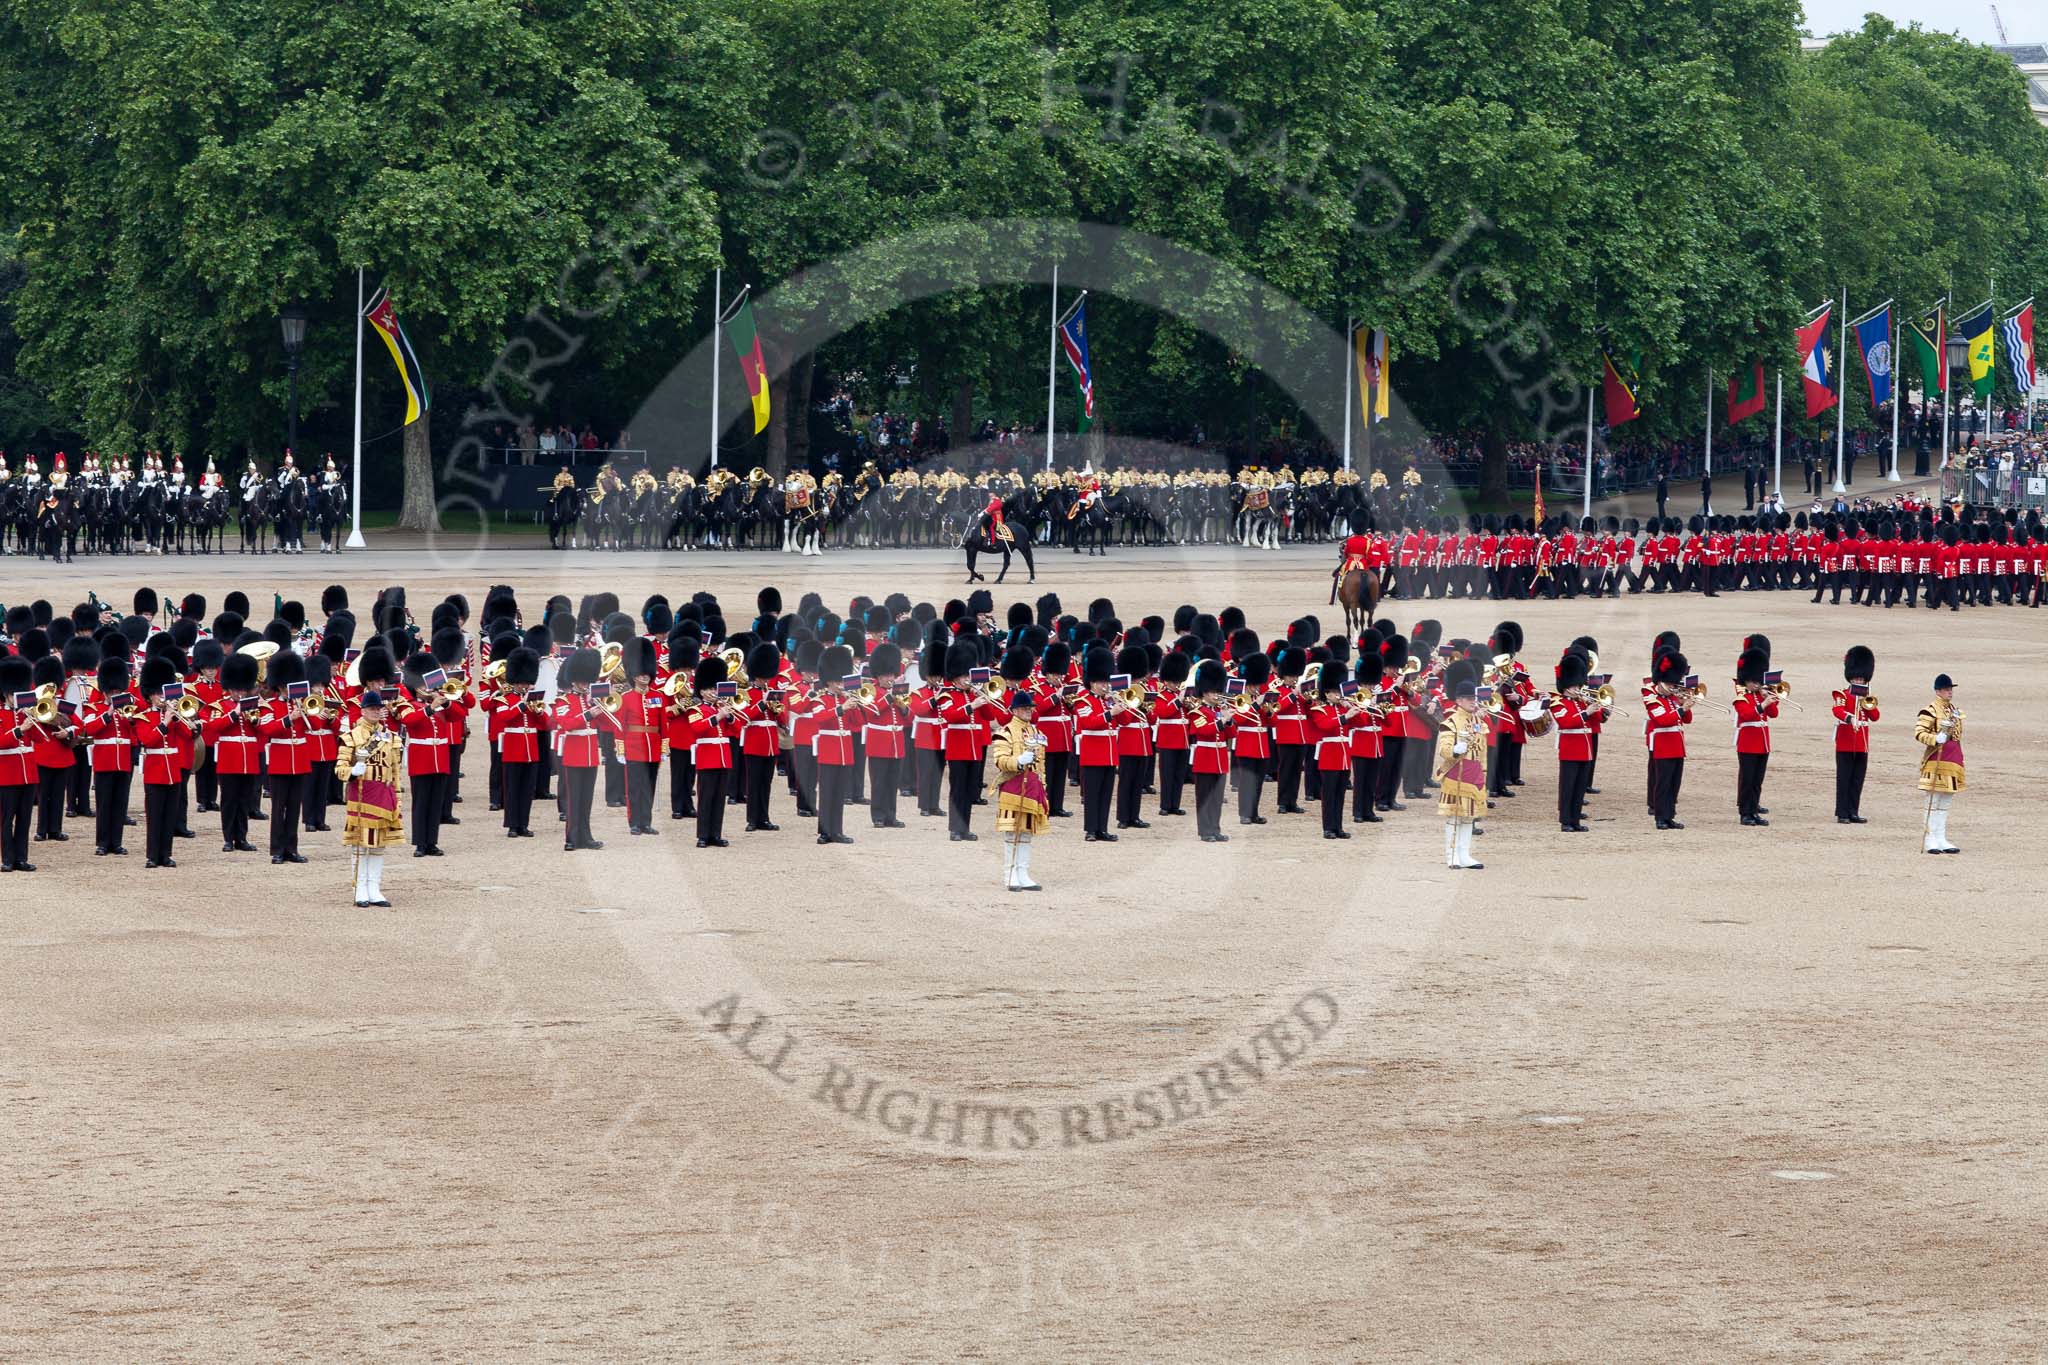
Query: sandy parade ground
1715	1094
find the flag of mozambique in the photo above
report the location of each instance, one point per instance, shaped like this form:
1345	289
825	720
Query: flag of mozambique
746	344
379	314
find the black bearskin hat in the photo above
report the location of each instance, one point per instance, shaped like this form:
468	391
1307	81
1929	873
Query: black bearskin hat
1258	671
1058	658
81	655
522	668
683	650
236	602
1751	666
1571	671
1761	643
208	654
1669	667
835	664
1016	665
284	669
1229	619
157	674
710	673
764	661
639	660
447	647
1019	616
1329	677
1048	609
1208	678
1291	662
1097	665
1369	670
580	667
657	614
1174	668
113	676
885	660
1859	664
146	602
16	675
1133	660
1507	638
238	672
961	659
375	666
768	602
1393	654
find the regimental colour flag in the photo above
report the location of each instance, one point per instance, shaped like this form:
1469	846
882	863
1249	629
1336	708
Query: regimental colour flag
1373	356
1928	336
380	315
2019	346
1977	334
738	322
1074	341
1745	393
1874	339
1618	391
1816	364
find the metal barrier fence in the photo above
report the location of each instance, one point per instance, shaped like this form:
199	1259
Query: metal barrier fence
2023	490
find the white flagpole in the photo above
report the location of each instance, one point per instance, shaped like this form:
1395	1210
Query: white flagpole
1778	442
717	336
1365	400
1841	395
1897	335
355	470
1052	365
1709	500
1587	509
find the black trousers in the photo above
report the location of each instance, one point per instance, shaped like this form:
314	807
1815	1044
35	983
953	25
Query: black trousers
159	819
579	790
711	783
1289	760
110	798
1173	778
1416	754
1573	777
614	769
1056	767
494	781
1251	777
452	788
1365	786
682	783
429	804
963	782
1666	776
237	794
1749	781
287	804
53	794
1849	771
640	779
882	789
82	784
1209	803
16	803
319	784
520	781
1098	785
1333	799
835	785
206	780
1130	788
803	778
1389	775
930	763
760	779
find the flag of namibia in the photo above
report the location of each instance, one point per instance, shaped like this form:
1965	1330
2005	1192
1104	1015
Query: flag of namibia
380	316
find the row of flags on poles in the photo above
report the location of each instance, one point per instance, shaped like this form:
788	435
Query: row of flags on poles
1820	368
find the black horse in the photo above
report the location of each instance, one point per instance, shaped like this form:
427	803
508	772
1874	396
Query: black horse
564	510
330	509
259	509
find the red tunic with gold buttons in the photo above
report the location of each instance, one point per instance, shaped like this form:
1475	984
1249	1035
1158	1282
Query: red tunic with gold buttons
881	723
958	714
1753	717
707	737
1664	723
1250	737
17	755
429	735
1574	729
576	722
833	743
235	739
112	739
1095	733
1328	723
158	741
1210	730
1853	715
516	729
1054	721
1169	722
640	715
760	733
285	747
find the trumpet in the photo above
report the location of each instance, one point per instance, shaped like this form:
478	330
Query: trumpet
453	690
494	672
995	689
315	707
866	692
44	712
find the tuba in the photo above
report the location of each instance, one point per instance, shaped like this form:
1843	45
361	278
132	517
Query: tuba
260	650
611	663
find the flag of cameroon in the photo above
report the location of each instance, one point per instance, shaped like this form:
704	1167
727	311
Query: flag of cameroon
746	344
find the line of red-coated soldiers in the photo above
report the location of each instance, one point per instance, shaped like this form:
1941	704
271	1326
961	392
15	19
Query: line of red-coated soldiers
809	700
1917	558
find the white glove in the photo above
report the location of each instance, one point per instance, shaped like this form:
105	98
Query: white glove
1941	737
1459	747
1027	758
359	770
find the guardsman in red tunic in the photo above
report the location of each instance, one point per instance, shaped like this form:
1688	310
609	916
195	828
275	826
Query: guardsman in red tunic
1133	737
281	723
432	725
1855	710
1252	737
1210	723
231	732
207	658
108	723
1290	726
1056	723
17	762
1667	710
578	716
1367	738
761	717
1756	706
643	721
836	715
1571	708
1169	730
928	729
1329	719
682	765
518	729
957	705
323	739
884	726
163	761
55	744
706	726
1095	735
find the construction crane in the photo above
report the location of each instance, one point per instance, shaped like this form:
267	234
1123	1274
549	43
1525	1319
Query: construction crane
1999	24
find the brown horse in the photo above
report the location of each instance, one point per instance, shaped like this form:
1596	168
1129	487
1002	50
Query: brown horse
1359	592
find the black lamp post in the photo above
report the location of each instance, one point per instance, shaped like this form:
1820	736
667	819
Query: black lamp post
292	318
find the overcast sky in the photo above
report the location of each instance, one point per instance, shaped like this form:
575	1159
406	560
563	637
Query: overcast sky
1970	18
